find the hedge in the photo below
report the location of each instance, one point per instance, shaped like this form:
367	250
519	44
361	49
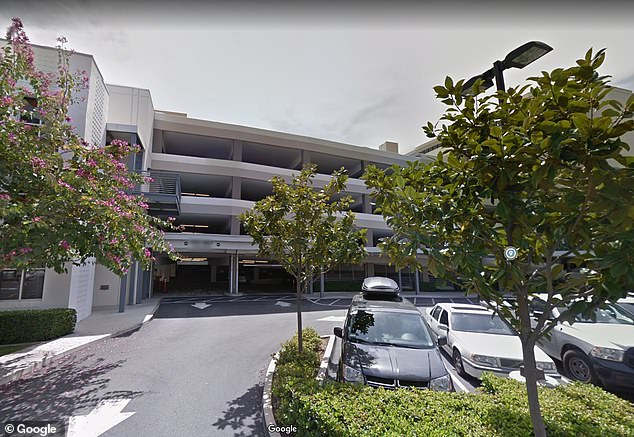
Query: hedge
25	326
499	408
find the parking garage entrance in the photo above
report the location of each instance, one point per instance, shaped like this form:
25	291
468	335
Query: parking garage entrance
213	274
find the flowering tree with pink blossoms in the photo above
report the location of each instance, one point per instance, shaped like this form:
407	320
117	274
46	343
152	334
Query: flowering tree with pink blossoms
62	199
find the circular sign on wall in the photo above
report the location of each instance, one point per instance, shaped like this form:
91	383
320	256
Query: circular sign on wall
510	253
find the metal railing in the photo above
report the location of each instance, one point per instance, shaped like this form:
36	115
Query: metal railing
162	190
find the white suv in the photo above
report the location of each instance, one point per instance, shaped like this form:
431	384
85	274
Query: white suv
600	351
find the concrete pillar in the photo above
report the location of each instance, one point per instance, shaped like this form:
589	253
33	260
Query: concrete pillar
369	270
233	274
236	154
416	282
306	157
322	284
132	283
139	282
213	273
425	274
122	292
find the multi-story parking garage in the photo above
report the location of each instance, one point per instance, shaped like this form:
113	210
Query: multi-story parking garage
222	170
205	174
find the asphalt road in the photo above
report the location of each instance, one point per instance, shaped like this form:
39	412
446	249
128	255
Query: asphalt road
196	369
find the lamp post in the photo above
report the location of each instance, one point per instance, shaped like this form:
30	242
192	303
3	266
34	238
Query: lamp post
518	58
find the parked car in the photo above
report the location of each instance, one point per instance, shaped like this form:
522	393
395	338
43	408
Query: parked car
599	351
387	343
479	340
627	302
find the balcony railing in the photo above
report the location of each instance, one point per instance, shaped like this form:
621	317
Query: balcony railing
162	192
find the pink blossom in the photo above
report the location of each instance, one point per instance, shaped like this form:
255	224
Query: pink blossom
5	197
64	244
7	100
91	162
65	185
36	219
171	219
38	162
26	250
147	252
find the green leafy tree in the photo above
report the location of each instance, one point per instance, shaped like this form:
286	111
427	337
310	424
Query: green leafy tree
540	168
307	231
61	199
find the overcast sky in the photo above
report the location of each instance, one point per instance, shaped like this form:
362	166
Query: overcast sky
360	74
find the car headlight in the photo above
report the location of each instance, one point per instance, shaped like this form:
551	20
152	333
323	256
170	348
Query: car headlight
546	365
486	360
441	384
607	353
350	374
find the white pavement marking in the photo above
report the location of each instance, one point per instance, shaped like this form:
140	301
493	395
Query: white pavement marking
147	318
456	381
334	302
454	376
332	319
106	415
201	305
282	304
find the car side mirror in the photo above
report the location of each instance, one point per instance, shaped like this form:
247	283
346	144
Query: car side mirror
338	332
442	340
443	327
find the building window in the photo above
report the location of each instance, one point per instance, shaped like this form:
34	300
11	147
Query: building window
21	284
30	113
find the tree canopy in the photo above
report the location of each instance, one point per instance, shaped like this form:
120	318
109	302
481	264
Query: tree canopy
540	168
307	230
61	198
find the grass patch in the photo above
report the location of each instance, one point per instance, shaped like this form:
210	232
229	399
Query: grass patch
10	348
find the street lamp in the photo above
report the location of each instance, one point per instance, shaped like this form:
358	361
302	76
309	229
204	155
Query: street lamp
518	58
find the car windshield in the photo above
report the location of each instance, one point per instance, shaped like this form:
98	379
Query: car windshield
612	314
389	329
480	323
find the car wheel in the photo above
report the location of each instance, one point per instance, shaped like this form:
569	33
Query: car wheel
579	367
457	363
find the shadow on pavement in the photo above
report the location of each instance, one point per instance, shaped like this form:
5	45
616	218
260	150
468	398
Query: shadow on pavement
64	389
244	414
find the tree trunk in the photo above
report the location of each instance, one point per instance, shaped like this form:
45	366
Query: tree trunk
530	367
299	315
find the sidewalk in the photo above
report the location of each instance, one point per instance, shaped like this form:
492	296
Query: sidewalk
102	323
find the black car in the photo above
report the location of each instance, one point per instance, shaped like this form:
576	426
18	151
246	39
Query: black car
387	343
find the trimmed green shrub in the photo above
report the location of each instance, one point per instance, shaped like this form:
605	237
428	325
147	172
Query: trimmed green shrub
499	408
334	285
24	326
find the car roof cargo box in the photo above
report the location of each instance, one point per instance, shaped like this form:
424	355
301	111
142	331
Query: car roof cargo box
379	288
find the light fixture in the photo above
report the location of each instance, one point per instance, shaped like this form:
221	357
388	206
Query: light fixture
518	58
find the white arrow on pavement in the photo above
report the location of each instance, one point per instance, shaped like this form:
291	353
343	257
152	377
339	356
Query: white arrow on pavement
105	415
201	305
280	303
332	319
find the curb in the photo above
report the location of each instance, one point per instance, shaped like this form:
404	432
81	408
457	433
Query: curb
47	360
267	407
